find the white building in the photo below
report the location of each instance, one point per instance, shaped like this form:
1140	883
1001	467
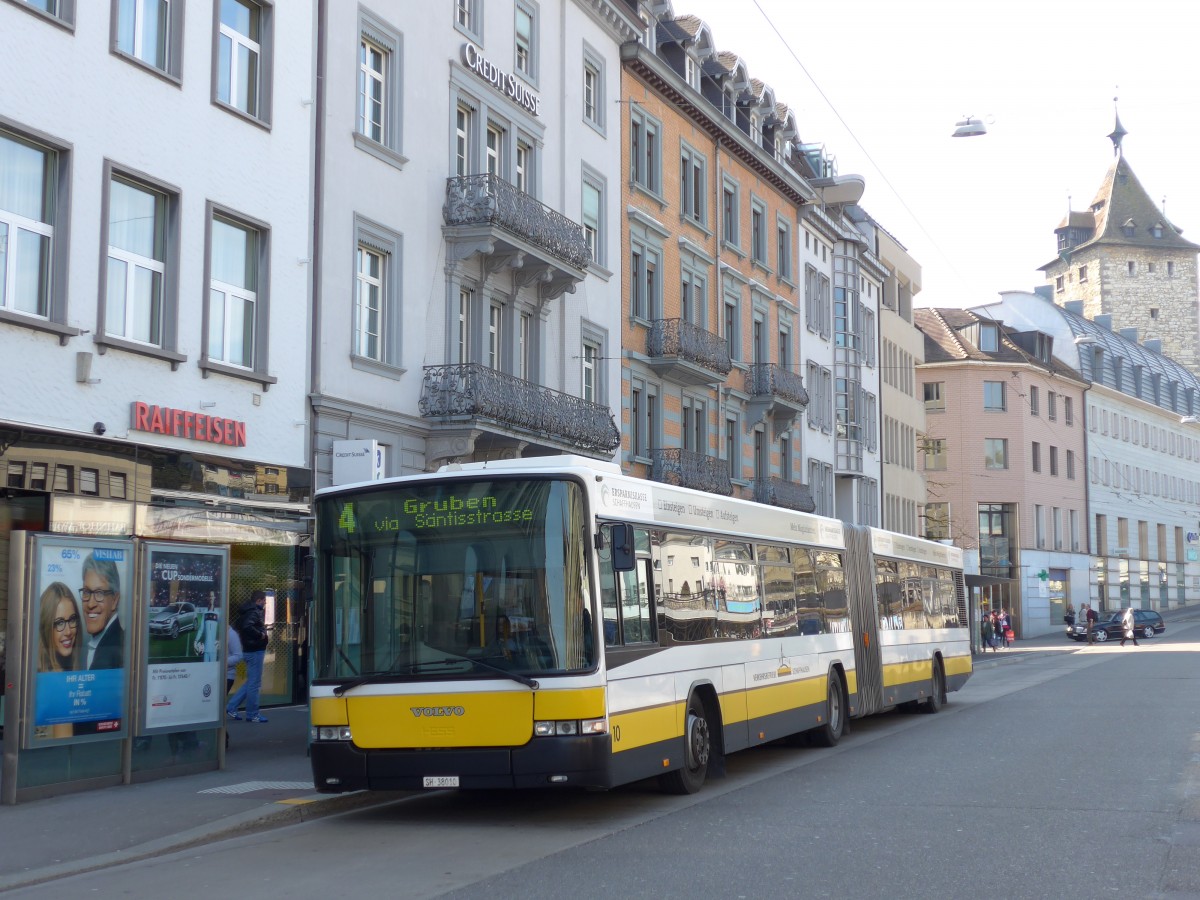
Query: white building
154	283
468	174
1143	455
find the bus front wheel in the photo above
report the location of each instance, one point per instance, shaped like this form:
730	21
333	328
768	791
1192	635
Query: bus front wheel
831	732
697	739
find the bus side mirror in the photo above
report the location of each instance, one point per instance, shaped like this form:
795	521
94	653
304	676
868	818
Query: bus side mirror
622	547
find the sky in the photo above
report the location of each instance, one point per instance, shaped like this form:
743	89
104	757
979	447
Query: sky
882	83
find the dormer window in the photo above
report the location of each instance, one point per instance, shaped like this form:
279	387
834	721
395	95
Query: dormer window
989	337
1156	231
691	72
755	129
1129	227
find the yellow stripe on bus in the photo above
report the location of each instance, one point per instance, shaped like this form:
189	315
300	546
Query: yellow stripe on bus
328	711
640	727
789	695
584	703
908	672
957	665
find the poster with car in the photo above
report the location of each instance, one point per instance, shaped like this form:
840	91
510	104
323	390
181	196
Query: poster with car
184	597
79	614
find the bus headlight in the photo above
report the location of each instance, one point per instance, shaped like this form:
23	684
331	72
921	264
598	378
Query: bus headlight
568	727
330	732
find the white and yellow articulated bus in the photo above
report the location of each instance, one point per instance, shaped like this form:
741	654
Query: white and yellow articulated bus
551	621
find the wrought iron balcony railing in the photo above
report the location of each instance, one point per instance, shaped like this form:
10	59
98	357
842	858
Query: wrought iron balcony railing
787	494
690	342
771	380
490	200
685	468
472	390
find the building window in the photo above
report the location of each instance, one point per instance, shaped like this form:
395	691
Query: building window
1053	460
495	336
593	217
644	158
1170	270
783	249
1083	275
643	412
729	213
116	485
523	168
1051	405
1035	456
468	17
368	322
995	453
37	477
693	186
1060	284
643	283
64	479
462	141
377	310
525	347
380	89
937	521
29	210
526	40
1071	464
466	307
733	447
493	150
1131	267
593	89
935	455
693	296
89	481
136	282
732	326
237	305
62	12
758	233
989	337
243	56
150	31
590	361
1033	400
994	396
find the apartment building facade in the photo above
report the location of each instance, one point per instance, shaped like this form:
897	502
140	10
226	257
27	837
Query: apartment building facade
740	280
467	176
1003	456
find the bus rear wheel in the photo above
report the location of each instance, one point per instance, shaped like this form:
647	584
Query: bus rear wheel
697	740
937	693
831	732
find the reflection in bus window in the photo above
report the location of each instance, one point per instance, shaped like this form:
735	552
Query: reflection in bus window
738	604
687	611
831	586
779	592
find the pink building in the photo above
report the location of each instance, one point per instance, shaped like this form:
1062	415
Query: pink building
1004	463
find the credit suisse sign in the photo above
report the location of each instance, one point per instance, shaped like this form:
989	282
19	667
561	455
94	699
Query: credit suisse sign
508	84
183	423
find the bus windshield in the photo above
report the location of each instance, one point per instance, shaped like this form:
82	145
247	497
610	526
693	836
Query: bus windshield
456	578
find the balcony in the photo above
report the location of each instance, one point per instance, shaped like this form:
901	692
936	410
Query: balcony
686	353
481	409
776	393
785	494
484	214
685	468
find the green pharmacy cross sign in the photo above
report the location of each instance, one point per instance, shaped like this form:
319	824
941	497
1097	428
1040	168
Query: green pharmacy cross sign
1043	575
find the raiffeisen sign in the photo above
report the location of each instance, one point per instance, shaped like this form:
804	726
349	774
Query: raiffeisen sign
509	85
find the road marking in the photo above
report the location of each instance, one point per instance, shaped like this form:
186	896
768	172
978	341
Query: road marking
247	787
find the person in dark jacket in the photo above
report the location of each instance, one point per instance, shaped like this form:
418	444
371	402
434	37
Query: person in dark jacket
252	629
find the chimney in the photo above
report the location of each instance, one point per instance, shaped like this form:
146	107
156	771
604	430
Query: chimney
1104	320
1074	306
1154	345
1130	334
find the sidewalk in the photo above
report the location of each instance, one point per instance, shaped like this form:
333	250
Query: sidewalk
1058	642
267	782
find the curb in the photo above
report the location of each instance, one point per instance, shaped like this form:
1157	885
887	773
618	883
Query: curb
305	808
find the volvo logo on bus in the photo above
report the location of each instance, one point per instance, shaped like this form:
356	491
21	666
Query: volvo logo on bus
433	711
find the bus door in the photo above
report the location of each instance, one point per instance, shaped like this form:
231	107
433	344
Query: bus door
626	595
860	596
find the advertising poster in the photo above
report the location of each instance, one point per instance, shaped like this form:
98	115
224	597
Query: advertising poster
78	617
185	636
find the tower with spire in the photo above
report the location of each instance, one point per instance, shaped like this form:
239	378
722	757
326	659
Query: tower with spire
1122	257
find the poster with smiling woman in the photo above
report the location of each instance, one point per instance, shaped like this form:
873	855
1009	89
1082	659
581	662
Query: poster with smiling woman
79	642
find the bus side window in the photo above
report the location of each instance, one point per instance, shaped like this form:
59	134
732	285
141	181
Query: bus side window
636	612
610	608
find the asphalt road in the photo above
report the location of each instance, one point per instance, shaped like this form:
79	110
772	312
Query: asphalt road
1063	775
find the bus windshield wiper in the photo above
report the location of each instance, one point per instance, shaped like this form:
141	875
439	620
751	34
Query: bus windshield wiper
515	676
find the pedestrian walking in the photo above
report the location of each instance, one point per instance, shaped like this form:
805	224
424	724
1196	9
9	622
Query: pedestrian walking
1128	630
1091	618
252	629
988	632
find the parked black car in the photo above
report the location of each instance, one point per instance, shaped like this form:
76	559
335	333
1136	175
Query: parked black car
1146	622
